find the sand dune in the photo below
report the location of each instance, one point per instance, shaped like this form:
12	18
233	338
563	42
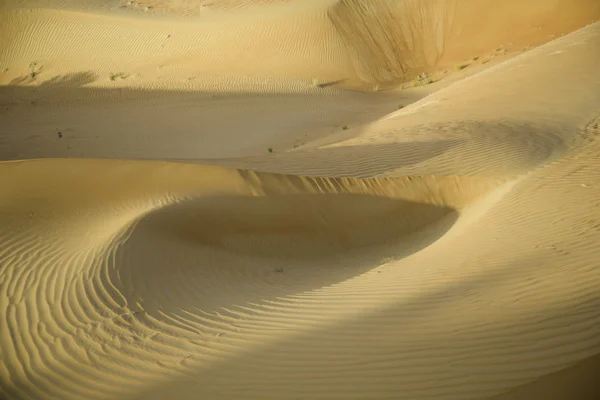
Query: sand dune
243	199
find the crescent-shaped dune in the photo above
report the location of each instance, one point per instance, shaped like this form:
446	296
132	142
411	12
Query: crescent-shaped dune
282	199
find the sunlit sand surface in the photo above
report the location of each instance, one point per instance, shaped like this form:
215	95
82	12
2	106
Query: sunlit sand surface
300	199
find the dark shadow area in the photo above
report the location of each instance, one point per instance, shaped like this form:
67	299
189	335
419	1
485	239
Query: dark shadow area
73	80
578	382
330	83
328	224
167	124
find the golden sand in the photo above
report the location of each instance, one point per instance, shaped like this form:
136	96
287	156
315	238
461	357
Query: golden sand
299	199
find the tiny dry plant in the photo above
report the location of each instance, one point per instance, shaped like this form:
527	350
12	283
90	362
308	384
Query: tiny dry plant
422	79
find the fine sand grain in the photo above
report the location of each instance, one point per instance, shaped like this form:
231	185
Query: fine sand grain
300	199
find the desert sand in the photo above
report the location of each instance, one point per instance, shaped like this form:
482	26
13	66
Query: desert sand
300	199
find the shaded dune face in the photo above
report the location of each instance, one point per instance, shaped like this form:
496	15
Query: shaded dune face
298	226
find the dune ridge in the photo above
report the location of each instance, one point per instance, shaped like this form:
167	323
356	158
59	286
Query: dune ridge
249	227
356	44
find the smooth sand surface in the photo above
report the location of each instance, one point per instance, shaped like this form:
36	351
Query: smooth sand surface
260	199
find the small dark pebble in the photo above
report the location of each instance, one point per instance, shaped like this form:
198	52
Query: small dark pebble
59	135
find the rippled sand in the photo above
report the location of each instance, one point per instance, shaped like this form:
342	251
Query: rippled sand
267	199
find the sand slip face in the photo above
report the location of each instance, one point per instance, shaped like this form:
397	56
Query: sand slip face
445	250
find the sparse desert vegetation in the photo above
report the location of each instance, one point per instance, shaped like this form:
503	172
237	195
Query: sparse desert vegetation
422	79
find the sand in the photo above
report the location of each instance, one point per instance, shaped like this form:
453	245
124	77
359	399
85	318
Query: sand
266	199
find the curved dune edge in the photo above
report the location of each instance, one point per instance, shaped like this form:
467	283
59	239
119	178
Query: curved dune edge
465	270
166	259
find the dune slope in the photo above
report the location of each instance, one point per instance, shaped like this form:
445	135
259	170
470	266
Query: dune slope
445	249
